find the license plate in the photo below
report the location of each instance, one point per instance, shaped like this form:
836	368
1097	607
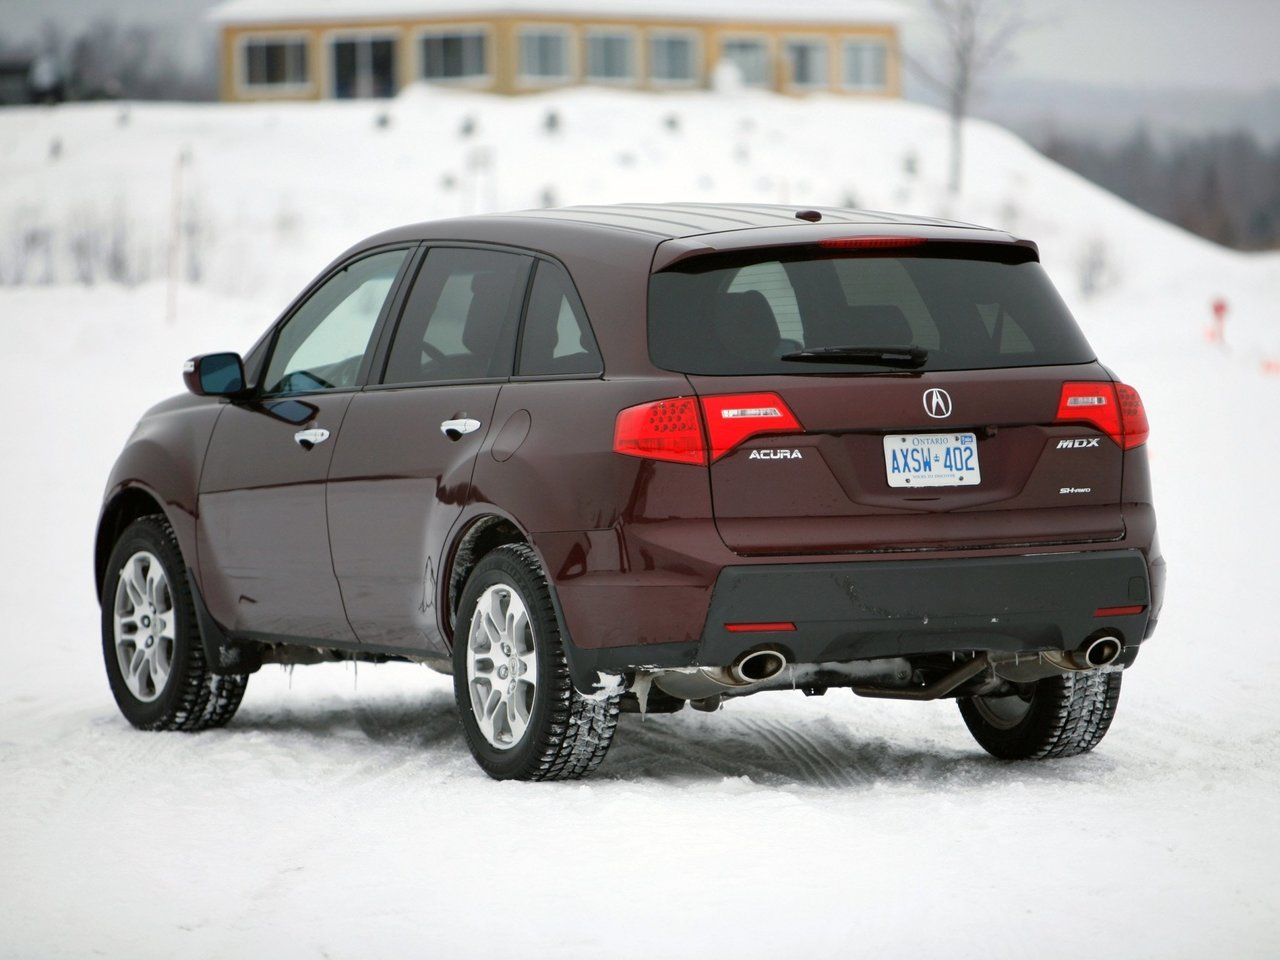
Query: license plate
932	460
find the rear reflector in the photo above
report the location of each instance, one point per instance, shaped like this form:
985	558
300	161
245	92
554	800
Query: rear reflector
1119	611
1114	408
780	627
673	430
870	243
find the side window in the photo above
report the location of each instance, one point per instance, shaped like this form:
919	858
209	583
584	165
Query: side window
459	322
323	344
557	338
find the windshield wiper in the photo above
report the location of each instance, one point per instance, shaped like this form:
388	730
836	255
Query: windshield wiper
907	358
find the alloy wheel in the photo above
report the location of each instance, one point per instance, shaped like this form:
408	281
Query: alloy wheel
502	666
145	626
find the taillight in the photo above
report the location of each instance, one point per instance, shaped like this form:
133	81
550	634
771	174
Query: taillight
672	430
1114	408
737	417
662	430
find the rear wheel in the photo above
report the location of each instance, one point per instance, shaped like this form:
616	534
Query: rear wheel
522	717
150	639
1061	716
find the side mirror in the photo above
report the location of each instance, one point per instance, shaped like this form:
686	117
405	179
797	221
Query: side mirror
214	375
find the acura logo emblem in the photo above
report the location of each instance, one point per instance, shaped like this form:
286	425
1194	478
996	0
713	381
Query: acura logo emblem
937	403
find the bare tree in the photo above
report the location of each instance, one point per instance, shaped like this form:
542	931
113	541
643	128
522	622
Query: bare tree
976	35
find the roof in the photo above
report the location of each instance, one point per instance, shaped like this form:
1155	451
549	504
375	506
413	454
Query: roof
680	229
670	221
765	11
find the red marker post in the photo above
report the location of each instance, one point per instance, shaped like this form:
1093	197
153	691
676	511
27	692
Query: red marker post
1218	332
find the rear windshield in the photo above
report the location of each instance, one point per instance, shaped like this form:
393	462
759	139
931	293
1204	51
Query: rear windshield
725	318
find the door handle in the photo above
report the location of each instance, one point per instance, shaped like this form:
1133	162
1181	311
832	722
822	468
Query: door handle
457	429
309	438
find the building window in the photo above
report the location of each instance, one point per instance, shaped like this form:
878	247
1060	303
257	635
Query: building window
673	58
275	63
544	54
865	64
454	55
364	67
807	63
751	57
611	57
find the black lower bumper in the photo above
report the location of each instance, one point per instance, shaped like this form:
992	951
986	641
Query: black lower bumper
867	610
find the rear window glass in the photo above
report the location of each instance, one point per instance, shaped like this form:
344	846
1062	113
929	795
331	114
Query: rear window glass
741	317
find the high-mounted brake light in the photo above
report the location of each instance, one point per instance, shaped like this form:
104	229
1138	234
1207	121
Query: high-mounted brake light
1114	408
673	430
869	243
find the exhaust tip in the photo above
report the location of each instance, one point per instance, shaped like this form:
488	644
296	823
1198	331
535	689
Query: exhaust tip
1102	651
759	665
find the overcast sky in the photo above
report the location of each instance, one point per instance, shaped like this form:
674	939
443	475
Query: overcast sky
1205	44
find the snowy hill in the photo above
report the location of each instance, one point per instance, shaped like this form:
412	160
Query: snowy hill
340	813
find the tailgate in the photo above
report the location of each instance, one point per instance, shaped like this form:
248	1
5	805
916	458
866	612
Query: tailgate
827	488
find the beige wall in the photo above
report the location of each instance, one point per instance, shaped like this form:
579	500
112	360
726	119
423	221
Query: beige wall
503	51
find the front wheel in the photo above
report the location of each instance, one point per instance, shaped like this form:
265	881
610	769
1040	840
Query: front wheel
1061	716
150	639
522	717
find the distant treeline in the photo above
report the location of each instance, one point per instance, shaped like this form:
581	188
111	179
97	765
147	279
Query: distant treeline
1225	187
107	60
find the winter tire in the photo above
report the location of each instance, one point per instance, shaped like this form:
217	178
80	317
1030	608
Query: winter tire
150	639
522	717
1061	716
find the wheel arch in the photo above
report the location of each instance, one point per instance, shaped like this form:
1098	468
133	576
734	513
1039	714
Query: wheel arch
472	540
126	505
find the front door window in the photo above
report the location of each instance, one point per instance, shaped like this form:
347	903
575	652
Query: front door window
322	346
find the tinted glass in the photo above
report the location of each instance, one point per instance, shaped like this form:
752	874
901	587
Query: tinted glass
969	314
459	320
221	374
322	345
557	339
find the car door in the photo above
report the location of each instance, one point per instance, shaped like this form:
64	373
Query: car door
402	467
263	531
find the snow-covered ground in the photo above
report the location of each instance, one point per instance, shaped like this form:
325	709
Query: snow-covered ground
340	814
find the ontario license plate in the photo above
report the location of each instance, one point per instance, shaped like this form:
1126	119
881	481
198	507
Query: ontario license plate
932	460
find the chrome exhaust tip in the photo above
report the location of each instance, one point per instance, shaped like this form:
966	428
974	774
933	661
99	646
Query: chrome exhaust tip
1101	651
757	666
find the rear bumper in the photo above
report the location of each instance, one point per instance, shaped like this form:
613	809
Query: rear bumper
864	610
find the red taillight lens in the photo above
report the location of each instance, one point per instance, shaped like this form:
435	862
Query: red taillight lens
1114	408
736	418
662	430
672	430
1133	416
870	243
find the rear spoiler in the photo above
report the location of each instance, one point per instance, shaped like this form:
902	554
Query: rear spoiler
795	243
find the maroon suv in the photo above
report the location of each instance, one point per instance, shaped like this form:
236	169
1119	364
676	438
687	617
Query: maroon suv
633	457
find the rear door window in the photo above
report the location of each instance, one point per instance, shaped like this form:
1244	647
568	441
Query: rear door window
557	339
459	321
741	316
